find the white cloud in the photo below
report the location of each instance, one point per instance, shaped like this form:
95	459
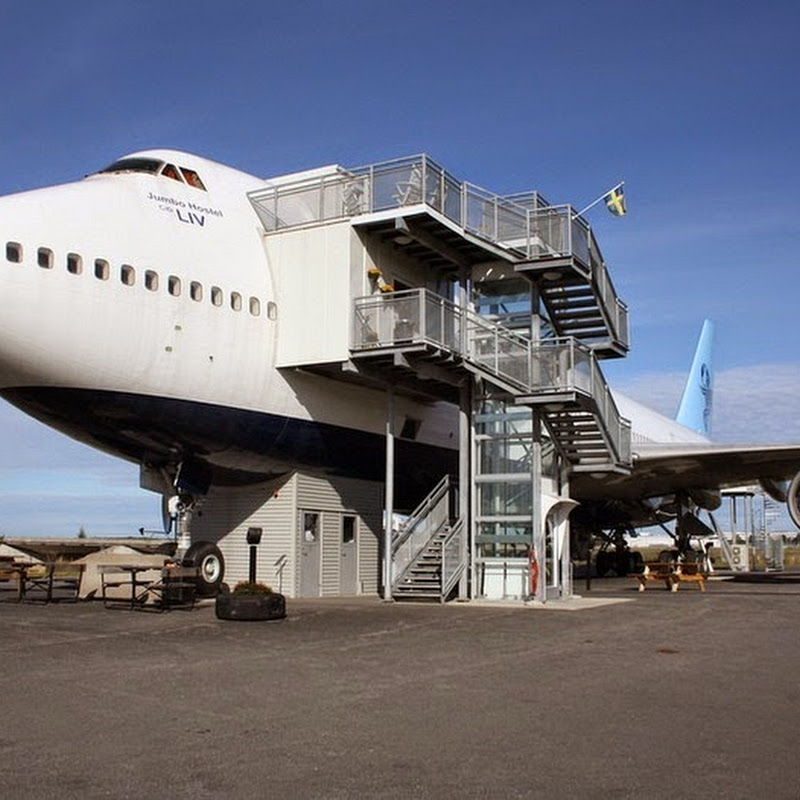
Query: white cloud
759	403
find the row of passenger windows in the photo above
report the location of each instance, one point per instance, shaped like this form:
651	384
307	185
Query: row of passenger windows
127	276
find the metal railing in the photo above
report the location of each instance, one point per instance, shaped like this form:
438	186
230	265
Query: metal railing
453	549
557	231
401	182
523	222
547	367
427	520
565	365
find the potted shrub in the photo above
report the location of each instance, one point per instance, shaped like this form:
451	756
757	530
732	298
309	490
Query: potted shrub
250	601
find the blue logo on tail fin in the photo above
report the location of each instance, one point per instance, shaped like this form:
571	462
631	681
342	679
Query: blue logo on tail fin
695	409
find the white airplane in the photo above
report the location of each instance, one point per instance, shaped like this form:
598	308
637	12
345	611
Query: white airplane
677	470
141	316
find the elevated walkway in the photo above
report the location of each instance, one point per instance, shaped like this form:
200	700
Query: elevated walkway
417	333
445	223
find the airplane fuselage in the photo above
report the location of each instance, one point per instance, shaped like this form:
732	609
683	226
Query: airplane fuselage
141	316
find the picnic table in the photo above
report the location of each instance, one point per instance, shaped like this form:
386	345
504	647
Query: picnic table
174	585
672	573
49	582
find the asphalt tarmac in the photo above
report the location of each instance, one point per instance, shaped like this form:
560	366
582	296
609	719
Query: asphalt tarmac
665	695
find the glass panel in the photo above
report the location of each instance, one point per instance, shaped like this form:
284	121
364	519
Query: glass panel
348	529
310	526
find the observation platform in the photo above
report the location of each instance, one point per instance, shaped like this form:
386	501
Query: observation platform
446	225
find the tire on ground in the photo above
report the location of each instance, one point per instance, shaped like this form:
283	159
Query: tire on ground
208	558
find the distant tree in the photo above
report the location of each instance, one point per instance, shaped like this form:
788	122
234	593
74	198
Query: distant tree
82	533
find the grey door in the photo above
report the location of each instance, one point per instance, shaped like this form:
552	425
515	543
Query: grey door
309	548
348	569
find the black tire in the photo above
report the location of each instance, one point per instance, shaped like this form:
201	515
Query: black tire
250	607
208	557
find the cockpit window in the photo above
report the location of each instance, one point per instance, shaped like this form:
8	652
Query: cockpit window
134	165
153	166
192	178
169	171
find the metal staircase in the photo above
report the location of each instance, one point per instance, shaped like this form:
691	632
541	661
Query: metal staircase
411	330
565	263
428	553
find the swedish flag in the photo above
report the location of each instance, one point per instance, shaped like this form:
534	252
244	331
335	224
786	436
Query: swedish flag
615	201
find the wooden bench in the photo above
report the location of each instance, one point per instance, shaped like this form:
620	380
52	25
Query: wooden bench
175	586
672	574
59	580
65	581
11	572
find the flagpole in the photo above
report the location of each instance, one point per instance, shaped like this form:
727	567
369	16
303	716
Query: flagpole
599	199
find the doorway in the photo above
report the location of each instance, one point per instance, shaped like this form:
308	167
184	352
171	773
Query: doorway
348	563
309	548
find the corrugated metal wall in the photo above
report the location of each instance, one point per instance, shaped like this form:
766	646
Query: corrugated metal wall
225	516
333	497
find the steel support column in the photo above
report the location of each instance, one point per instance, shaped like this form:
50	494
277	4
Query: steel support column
464	485
388	514
538	532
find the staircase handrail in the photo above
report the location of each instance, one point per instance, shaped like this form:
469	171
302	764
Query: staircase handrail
427	520
548	366
453	563
558	232
566	365
419	513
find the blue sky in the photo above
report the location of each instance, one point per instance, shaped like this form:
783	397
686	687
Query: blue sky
694	104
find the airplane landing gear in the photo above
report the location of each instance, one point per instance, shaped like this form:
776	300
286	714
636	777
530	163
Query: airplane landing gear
621	560
206	556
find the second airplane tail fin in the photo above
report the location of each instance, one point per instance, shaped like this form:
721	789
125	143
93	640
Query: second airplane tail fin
695	409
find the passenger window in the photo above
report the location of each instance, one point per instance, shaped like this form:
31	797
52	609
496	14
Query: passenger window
272	311
44	257
192	178
151	280
174	285
255	306
101	269
236	301
13	252
216	295
74	264
127	274
196	291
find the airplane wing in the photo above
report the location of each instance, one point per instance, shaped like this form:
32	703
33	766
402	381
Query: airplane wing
663	469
